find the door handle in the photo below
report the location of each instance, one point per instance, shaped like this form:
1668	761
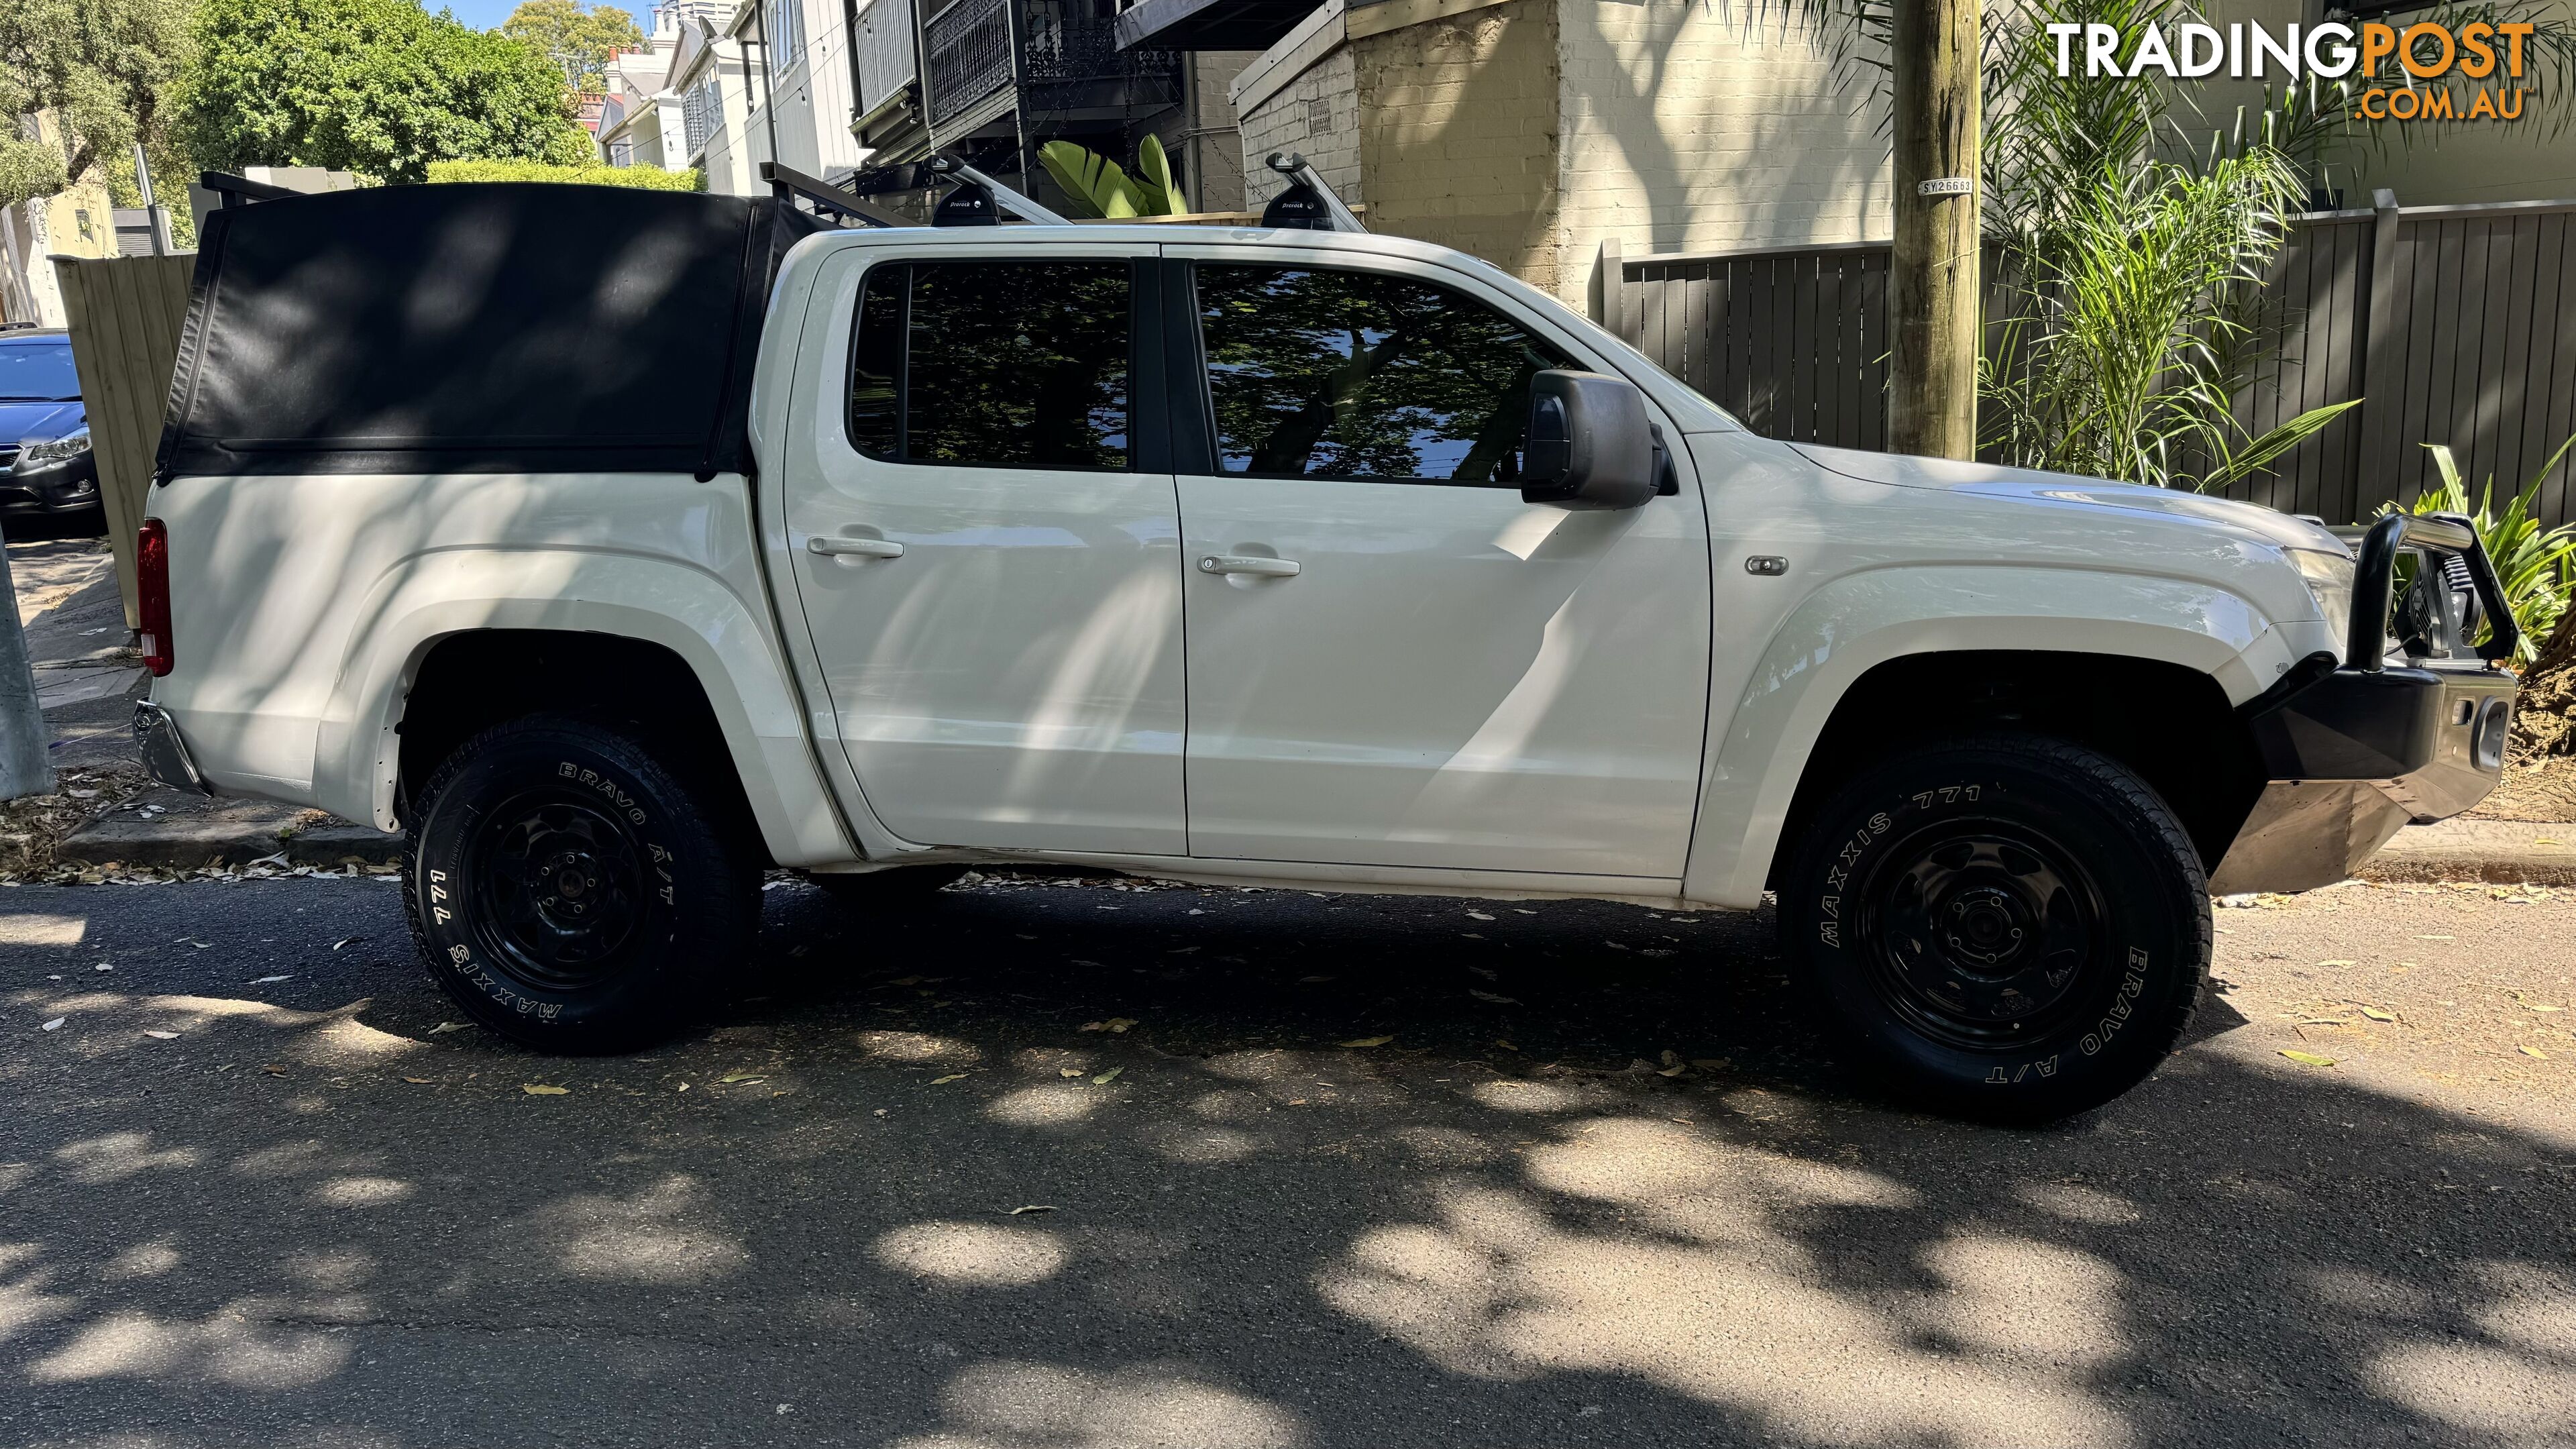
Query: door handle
852	547
1238	563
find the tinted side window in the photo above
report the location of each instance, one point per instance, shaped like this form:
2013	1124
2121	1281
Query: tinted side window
1353	375
993	364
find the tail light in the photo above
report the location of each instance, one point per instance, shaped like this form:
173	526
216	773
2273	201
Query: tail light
152	594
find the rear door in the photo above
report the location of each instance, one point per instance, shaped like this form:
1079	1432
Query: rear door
986	546
1393	660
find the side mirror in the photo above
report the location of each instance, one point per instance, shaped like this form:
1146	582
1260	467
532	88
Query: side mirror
1590	443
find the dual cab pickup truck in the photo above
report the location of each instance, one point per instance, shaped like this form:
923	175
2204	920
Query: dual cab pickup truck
618	546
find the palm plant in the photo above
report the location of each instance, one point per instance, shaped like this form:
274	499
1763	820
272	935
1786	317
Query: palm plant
2134	233
2537	566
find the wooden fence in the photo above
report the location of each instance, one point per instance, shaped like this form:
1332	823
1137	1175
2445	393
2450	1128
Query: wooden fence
2452	324
125	315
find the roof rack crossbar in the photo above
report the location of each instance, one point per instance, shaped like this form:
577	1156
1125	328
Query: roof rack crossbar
240	190
787	183
1003	196
1303	178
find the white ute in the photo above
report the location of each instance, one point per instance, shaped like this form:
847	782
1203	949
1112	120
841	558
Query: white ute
617	546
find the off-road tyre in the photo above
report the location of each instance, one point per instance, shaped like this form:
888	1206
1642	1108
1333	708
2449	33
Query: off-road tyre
571	892
2002	928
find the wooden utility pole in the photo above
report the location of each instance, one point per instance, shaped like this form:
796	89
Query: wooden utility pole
1932	271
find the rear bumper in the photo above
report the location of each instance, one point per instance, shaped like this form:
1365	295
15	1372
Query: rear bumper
2357	754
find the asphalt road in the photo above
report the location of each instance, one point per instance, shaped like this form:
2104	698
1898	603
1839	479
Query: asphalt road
238	1210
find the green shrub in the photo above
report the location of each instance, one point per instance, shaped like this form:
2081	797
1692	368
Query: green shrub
2536	565
645	178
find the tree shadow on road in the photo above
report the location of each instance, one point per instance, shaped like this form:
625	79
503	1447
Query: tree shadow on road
1252	1235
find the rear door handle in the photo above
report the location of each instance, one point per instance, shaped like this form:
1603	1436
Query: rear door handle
1238	563
859	547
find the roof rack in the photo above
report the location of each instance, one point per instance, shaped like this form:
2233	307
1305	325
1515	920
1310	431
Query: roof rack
1308	204
787	184
976	196
234	190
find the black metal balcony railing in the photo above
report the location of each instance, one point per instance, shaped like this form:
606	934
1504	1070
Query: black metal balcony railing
968	46
1065	46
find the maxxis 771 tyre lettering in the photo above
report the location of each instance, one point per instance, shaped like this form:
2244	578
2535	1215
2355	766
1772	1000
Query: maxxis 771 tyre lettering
2006	928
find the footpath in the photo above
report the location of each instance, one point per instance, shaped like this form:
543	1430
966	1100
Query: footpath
88	677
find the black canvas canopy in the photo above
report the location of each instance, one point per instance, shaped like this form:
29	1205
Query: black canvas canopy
480	328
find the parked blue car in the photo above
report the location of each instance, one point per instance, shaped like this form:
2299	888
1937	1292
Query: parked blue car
46	466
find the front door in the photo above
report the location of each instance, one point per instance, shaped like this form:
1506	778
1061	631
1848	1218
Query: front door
1393	660
988	566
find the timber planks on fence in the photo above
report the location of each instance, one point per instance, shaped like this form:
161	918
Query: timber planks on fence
2451	324
125	315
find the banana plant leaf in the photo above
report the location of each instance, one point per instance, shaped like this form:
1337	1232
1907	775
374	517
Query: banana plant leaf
1099	186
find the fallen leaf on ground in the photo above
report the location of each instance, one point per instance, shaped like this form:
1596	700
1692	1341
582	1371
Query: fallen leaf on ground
54	1025
1113	1024
1478	916
2533	1051
2309	1059
346	940
1035	1207
264	980
1368	1041
1492	997
162	1035
730	1078
447	1026
2338	963
200	945
539	1089
1507	1046
417	1081
1105	1078
1068	1071
951	1077
275	1069
2378	1014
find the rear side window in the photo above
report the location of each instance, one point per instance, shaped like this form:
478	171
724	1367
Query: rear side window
993	364
1331	374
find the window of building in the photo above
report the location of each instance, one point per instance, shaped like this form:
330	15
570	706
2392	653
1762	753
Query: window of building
993	364
786	37
1332	374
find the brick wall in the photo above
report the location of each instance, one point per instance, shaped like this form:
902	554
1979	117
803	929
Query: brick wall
1458	133
1694	127
1317	116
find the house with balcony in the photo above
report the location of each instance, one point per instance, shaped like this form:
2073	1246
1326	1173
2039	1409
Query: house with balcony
712	76
992	80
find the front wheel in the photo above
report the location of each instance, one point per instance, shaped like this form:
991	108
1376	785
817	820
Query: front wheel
569	892
2004	928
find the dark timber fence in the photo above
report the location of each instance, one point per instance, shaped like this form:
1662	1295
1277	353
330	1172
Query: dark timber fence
2453	324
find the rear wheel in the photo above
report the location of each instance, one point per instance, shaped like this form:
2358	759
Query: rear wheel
569	892
2003	928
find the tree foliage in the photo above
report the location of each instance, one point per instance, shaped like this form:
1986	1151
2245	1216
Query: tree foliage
641	178
578	39
102	68
379	87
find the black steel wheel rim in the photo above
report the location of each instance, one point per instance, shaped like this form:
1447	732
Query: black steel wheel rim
556	890
1983	934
